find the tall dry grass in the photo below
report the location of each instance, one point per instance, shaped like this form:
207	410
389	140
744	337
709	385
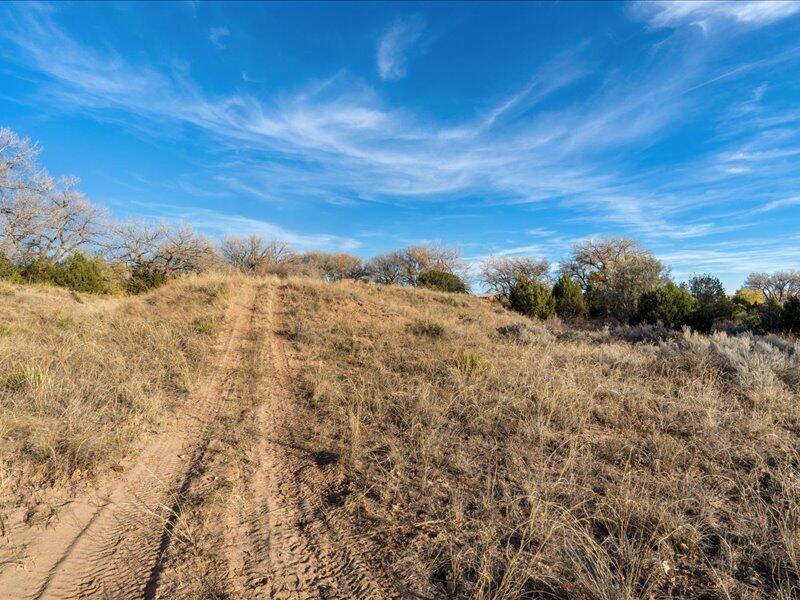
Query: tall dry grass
83	377
494	457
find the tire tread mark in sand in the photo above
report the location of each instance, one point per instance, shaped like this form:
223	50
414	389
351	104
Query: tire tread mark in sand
117	549
309	555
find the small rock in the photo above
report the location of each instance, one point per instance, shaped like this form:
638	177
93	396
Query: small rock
667	568
216	445
118	468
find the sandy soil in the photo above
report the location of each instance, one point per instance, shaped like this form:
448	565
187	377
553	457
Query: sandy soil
266	533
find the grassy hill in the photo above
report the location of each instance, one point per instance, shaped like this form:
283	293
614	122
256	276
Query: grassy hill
84	377
500	457
477	453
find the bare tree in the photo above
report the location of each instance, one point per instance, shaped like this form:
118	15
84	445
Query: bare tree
387	268
68	223
185	251
776	287
501	273
136	243
21	190
592	260
18	169
39	218
159	247
428	257
253	253
20	221
335	266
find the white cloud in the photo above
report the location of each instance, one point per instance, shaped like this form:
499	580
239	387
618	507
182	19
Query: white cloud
704	13
778	204
217	36
395	45
736	257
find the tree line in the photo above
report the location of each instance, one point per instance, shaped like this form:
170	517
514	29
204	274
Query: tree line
616	279
50	232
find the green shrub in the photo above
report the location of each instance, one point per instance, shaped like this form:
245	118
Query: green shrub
790	315
706	288
39	271
771	315
531	298
144	279
81	274
701	319
9	272
713	302
442	281
596	302
77	273
570	303
667	304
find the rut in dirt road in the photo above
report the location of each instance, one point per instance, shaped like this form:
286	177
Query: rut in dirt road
110	545
287	544
155	534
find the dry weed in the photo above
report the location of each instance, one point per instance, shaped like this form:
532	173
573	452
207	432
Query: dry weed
83	377
578	465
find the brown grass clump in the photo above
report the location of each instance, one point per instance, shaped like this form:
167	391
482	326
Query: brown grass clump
506	460
83	377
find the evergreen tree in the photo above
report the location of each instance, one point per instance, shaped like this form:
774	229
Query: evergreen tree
570	303
668	304
532	298
442	281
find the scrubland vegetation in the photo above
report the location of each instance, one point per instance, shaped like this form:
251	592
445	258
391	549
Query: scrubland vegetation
498	457
83	377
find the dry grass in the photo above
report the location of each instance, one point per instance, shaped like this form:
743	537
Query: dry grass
83	377
495	460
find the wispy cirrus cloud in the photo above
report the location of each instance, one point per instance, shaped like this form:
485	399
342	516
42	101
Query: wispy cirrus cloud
395	46
779	204
753	13
759	254
217	36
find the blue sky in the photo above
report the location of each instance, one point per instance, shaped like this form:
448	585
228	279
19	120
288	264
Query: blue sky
501	128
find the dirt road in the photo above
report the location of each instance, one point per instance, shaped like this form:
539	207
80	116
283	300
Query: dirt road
221	503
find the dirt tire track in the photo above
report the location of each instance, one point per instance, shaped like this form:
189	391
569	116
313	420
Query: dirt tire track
290	546
112	546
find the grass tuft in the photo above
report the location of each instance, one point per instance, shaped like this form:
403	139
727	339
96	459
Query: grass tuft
426	328
470	363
